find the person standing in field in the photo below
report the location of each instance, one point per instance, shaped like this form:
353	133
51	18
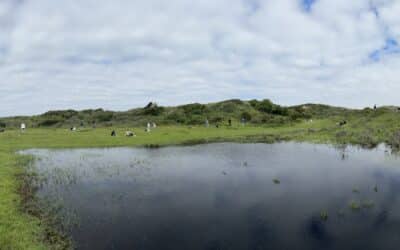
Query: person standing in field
23	127
148	129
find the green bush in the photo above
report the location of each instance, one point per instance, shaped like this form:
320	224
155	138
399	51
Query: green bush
394	141
194	109
153	110
228	107
278	110
66	114
270	119
233	101
217	119
195	120
246	115
176	117
49	122
265	106
254	103
104	116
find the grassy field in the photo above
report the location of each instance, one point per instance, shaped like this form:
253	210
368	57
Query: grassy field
19	230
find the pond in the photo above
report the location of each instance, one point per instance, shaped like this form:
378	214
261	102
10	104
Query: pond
226	196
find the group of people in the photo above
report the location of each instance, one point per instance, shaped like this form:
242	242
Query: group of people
207	123
150	126
23	127
128	133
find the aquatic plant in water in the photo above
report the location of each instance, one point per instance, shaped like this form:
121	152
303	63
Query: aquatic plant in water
355	206
324	215
368	204
341	213
276	181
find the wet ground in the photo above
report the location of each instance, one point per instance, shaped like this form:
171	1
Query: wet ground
225	196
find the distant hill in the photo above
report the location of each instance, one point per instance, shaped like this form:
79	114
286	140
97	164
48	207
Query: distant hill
253	111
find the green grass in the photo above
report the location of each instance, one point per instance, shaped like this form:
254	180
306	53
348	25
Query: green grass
18	230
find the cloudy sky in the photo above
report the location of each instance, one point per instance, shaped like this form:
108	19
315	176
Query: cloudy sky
122	54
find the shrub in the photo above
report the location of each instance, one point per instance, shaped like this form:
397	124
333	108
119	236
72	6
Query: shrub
49	122
154	110
217	119
194	120
104	116
87	111
63	114
228	107
295	115
234	101
365	139
394	141
194	109
246	115
254	103
278	110
176	117
298	113
265	106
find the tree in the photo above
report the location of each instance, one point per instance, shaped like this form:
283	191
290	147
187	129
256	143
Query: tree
265	106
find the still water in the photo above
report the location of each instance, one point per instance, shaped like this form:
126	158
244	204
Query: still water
226	196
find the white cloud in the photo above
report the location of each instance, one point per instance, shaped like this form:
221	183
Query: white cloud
121	54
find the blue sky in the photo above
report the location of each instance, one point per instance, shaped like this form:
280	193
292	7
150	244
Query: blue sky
124	53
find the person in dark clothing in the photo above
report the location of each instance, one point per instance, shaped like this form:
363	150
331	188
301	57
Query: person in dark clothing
230	122
113	133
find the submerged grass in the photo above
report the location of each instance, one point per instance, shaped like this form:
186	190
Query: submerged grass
355	206
324	215
23	229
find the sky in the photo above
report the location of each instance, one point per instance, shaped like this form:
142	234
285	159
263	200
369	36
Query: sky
122	54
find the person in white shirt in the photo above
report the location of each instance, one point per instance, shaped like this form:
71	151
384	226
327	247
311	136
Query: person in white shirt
148	127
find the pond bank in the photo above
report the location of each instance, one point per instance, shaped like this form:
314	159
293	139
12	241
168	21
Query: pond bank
19	230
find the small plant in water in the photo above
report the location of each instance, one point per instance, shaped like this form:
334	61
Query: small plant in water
356	190
368	204
341	213
355	206
376	188
276	181
323	215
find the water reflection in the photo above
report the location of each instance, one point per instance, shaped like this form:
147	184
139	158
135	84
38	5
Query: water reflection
224	196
